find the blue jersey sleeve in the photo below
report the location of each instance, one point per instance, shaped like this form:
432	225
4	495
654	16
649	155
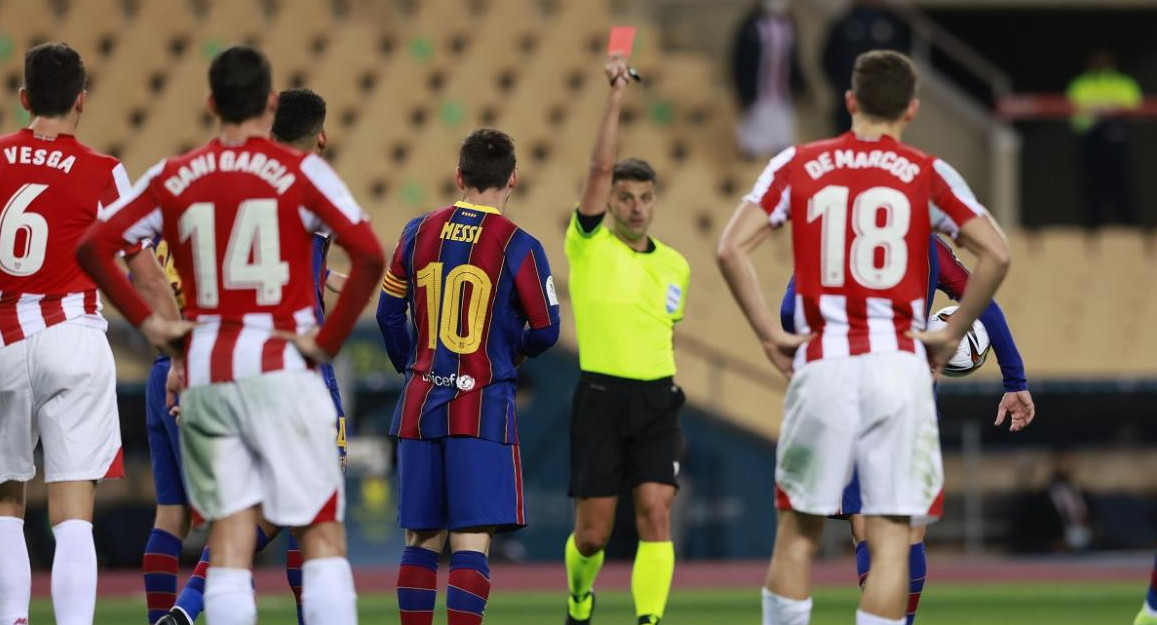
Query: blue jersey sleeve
1007	355
787	307
536	293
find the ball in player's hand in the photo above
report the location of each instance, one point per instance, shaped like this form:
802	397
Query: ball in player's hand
973	349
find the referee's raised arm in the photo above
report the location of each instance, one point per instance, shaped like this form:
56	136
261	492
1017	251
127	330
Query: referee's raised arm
597	184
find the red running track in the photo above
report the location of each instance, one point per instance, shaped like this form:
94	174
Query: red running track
731	574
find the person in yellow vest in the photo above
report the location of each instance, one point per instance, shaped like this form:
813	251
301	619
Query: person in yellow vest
1098	97
627	290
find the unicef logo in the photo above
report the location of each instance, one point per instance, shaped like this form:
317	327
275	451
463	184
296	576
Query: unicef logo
461	382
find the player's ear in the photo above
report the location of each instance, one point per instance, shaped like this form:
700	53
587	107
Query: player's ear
513	182
212	103
322	141
79	104
458	179
24	101
271	103
913	109
850	102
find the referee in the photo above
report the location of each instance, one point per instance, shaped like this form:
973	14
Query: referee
627	290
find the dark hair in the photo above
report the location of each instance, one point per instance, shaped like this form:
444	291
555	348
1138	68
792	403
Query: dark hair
240	79
53	76
300	114
633	169
884	83
487	159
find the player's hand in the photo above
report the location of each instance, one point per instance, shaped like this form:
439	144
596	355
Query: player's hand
166	335
940	345
618	72
781	351
306	344
1017	405
174	384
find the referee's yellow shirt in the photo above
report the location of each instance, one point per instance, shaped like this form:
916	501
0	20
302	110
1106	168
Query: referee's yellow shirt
626	303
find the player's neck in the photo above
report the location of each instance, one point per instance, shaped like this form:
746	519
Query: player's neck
871	130
236	134
53	127
494	198
640	244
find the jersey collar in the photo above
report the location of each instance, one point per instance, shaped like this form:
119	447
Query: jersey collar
478	207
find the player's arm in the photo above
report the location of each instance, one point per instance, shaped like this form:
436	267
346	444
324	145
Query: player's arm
1016	402
597	184
151	282
747	229
535	287
134	217
766	207
391	315
335	281
963	217
331	202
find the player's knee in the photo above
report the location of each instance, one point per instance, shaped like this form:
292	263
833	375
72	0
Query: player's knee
653	520
591	539
324	540
12	499
173	519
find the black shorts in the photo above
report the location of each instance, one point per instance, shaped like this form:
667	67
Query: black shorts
623	433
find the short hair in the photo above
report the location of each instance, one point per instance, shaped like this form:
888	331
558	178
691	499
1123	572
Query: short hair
240	79
300	114
487	159
633	169
884	83
53	76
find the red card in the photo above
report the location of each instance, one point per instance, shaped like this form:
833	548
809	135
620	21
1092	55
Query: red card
622	41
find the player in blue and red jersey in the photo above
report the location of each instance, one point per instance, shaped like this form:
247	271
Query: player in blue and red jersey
949	275
481	298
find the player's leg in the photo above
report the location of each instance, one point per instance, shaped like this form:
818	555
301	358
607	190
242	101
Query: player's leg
15	568
655	558
652	467
901	475
422	511
293	572
917	561
813	466
1148	613
483	495
74	384
597	472
225	477
787	589
302	485
17	441
172	520
884	601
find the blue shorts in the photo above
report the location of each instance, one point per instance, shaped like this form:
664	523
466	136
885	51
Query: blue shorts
457	483
164	444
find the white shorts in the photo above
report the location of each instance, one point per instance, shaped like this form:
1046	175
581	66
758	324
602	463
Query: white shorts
264	440
874	413
58	387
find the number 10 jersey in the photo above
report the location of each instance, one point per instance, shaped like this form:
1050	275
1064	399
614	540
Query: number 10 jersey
863	211
472	281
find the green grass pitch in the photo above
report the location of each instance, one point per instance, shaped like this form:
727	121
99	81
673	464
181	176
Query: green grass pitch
1055	604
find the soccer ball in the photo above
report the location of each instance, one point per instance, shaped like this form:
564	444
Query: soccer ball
973	349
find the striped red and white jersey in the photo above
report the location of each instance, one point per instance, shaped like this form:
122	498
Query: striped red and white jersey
863	213
51	190
239	221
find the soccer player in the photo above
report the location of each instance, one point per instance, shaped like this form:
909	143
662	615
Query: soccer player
57	376
481	299
949	275
257	422
628	291
299	123
860	397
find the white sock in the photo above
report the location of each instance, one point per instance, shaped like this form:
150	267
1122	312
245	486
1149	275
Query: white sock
229	598
74	573
327	592
15	572
1150	612
863	618
779	610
